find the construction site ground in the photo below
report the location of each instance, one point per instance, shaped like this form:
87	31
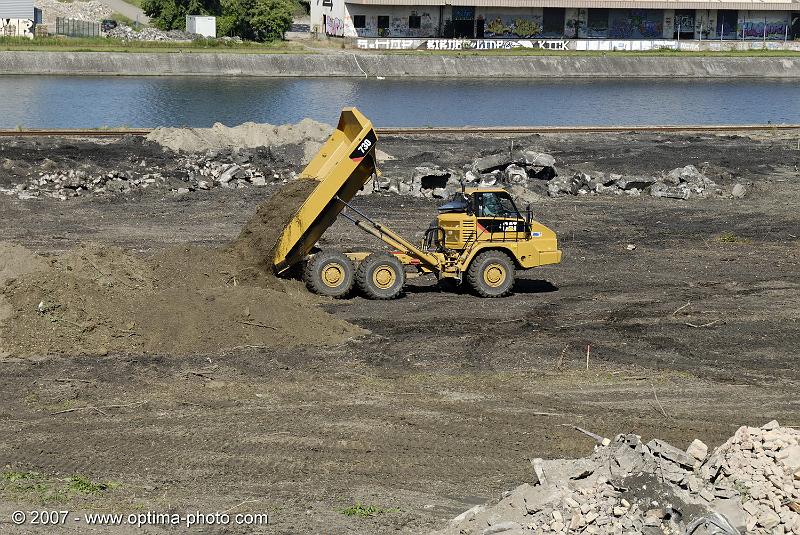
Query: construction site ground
690	334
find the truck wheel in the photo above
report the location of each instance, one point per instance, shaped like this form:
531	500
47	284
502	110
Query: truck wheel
381	276
329	273
491	274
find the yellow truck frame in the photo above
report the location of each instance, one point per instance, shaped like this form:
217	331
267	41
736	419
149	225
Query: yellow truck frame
480	236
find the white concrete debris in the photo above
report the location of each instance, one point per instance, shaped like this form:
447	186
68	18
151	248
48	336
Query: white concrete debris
749	484
517	169
147	33
680	183
197	173
93	10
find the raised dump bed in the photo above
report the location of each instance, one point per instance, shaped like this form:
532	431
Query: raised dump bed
342	166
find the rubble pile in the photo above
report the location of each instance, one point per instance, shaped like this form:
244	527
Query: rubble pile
515	168
147	33
750	484
91	10
239	168
680	183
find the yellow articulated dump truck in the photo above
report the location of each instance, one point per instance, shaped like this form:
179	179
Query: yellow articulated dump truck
479	237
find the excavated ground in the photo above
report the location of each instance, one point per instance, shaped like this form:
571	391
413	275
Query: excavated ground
692	333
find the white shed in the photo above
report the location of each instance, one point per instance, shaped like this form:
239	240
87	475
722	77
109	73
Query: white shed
16	9
201	24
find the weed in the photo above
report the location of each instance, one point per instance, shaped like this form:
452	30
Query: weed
14	476
730	237
365	511
84	485
123	19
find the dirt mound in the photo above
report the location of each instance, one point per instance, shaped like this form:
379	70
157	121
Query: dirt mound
309	133
95	299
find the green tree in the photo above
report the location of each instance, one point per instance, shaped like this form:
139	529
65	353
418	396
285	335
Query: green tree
262	20
171	14
271	19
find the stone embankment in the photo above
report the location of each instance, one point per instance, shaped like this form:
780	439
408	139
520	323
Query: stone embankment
360	65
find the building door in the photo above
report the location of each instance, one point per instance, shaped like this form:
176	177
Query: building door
684	24
794	29
480	26
726	23
463	22
597	22
553	21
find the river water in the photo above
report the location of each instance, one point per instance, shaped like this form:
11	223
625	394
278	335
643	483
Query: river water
83	101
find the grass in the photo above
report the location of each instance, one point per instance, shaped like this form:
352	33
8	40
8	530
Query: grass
103	44
137	3
123	19
360	510
83	485
599	53
730	237
33	486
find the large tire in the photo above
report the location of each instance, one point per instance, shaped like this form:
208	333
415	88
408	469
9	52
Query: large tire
381	276
491	274
329	273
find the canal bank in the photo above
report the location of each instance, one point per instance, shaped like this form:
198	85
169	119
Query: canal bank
396	65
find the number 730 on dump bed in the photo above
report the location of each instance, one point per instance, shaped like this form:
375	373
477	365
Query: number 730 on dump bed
479	237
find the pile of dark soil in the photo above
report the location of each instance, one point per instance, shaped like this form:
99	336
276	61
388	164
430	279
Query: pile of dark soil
96	299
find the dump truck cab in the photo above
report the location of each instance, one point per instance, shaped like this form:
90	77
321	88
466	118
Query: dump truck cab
490	218
479	237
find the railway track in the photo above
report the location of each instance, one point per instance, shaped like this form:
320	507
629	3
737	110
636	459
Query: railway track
451	130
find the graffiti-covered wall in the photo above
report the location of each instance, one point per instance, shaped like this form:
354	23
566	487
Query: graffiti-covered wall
391	21
757	24
510	22
16	28
575	23
636	24
335	18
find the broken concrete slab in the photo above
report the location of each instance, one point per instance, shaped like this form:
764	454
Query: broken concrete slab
662	190
670	452
639	183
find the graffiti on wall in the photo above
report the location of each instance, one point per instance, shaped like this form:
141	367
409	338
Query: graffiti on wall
636	24
460	44
16	28
772	30
684	23
334	26
518	27
398	26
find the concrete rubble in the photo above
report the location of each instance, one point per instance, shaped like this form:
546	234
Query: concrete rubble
214	169
254	154
680	183
92	10
148	33
749	484
521	167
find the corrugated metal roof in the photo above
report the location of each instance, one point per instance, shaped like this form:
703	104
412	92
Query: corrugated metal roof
752	5
16	9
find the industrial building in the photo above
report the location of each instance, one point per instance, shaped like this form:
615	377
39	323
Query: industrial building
558	19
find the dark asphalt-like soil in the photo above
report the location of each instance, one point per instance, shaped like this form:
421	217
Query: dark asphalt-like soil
443	404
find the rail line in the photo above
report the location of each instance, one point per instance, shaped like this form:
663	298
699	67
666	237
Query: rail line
451	130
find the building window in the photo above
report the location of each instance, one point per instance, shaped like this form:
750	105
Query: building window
359	21
383	23
414	22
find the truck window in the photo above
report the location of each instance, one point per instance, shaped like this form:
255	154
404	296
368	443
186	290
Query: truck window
496	204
